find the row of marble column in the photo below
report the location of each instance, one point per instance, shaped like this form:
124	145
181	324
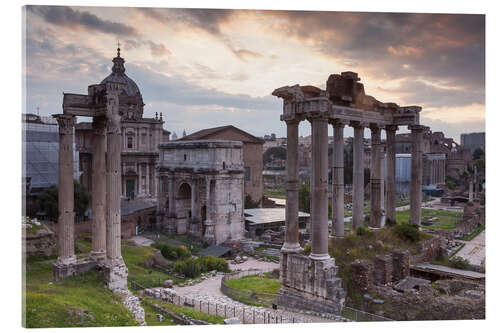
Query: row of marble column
106	190
319	181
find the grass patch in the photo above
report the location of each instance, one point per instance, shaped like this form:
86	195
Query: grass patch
82	301
474	233
135	257
446	220
256	284
188	311
279	193
152	319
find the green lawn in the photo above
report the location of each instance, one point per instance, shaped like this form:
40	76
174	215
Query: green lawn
446	219
81	301
84	301
281	193
256	284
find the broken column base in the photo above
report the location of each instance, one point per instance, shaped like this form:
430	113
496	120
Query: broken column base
309	284
62	271
115	275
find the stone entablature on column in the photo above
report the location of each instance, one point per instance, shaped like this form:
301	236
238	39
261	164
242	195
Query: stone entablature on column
343	101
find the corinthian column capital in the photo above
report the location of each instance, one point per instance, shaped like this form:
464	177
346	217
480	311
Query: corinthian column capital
66	123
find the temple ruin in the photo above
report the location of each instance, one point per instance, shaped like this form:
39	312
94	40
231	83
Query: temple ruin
106	103
310	282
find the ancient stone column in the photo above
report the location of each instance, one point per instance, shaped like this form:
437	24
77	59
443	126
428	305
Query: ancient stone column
319	189
358	177
375	178
338	179
115	270
194	198
292	188
416	174
139	180
390	131
98	252
148	187
171	196
66	219
209	235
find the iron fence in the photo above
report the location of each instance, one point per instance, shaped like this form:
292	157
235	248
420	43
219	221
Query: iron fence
359	315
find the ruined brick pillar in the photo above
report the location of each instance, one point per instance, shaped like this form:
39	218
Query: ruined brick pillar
417	132
319	188
362	275
400	265
338	179
390	131
98	252
291	243
66	219
358	179
383	270
116	272
376	178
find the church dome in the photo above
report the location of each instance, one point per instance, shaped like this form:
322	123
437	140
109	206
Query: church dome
118	76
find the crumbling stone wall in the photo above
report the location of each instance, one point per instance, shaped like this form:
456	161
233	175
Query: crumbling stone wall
383	270
362	275
427	304
430	249
43	243
310	284
400	265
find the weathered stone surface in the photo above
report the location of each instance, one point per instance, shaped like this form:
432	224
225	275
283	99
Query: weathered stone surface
42	243
383	270
310	284
362	275
232	321
400	265
62	271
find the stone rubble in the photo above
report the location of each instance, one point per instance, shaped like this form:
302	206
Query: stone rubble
133	304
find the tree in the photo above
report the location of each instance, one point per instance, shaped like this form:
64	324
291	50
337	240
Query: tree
274	153
477	154
49	201
305	198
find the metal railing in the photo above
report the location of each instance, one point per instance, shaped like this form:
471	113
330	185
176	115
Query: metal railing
358	315
246	314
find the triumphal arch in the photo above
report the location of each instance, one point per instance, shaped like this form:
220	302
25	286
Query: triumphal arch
310	282
106	103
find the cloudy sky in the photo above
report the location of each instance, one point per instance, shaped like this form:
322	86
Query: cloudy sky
204	68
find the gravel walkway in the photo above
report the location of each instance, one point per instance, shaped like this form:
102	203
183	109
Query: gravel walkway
209	291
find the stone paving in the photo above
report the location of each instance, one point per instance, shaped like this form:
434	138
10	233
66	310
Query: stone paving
474	250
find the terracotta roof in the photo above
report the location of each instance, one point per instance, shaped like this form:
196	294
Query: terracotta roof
208	133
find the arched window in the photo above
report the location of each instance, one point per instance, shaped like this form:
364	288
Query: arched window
130	142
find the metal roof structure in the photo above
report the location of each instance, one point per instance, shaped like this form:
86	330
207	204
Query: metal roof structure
267	215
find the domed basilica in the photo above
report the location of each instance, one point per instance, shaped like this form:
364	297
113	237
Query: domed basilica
140	139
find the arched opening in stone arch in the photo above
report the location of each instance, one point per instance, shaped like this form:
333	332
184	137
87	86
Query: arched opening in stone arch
183	207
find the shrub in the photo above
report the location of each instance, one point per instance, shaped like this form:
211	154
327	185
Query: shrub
307	249
175	252
407	232
193	267
390	222
362	231
459	262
